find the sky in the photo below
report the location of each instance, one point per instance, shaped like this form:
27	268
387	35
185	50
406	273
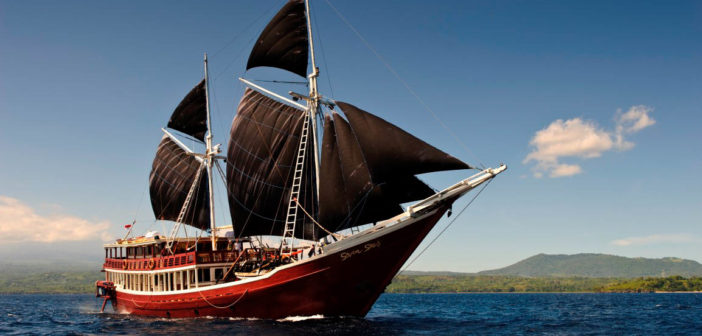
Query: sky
595	107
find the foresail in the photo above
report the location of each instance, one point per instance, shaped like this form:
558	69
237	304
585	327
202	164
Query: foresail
172	174
263	145
368	168
350	195
398	153
283	43
190	116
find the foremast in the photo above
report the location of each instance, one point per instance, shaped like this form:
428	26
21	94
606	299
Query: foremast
206	162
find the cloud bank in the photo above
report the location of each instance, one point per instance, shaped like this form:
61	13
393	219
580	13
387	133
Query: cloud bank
583	139
656	239
20	223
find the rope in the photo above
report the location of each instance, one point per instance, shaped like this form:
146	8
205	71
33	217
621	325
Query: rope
447	226
403	82
335	235
321	47
227	306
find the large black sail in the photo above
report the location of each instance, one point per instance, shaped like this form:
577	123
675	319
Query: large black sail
399	151
348	195
172	174
263	145
368	168
283	43
190	116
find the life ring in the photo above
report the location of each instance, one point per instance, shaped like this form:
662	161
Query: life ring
152	264
124	264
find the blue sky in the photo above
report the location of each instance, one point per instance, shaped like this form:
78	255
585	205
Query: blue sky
85	87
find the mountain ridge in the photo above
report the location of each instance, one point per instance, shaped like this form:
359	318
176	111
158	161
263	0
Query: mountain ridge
598	265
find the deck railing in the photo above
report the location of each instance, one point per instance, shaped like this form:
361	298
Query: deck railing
185	259
147	264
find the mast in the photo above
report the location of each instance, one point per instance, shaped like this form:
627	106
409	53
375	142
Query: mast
313	103
209	157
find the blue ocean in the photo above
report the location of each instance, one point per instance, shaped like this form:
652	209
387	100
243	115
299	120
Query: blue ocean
393	314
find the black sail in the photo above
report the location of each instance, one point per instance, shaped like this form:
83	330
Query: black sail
190	116
350	194
172	174
368	168
263	145
284	42
398	152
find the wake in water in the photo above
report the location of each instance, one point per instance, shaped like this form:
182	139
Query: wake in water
301	318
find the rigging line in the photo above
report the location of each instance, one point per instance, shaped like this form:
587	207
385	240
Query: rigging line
447	226
140	203
227	306
324	56
235	59
136	213
404	83
245	30
335	235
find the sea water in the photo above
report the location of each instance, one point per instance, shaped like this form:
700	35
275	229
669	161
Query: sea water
393	314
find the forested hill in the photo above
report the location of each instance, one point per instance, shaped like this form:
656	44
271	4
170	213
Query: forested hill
598	266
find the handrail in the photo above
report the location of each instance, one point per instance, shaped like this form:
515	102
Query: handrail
172	261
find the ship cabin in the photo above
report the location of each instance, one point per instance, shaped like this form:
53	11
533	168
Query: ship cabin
148	265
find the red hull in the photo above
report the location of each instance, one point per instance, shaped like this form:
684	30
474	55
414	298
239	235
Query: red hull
340	283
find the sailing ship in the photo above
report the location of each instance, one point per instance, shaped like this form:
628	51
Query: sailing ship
336	207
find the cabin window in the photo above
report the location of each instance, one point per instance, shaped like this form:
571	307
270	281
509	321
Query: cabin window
203	275
218	273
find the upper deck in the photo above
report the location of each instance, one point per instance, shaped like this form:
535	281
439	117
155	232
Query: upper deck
150	254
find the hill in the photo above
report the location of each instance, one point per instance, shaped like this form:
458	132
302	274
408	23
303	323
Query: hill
467	283
46	278
593	265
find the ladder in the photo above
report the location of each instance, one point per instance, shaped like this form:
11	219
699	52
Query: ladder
184	208
291	217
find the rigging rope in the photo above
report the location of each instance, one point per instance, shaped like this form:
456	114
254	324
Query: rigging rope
335	235
403	82
324	56
447	226
227	306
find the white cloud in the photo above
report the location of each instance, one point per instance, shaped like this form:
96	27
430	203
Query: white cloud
657	239
578	138
20	223
635	119
565	170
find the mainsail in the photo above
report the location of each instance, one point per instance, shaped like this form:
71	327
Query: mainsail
368	168
172	174
261	155
283	43
190	116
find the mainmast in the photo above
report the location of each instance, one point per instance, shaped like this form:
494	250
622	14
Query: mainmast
313	102
210	154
